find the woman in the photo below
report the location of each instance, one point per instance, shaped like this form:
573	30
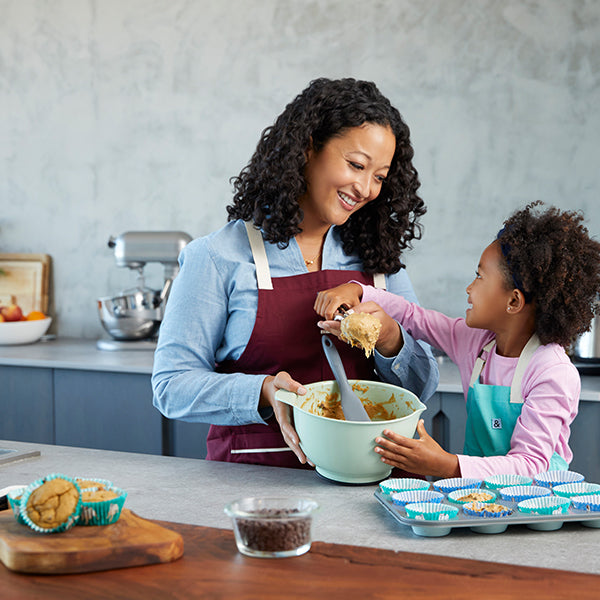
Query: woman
329	194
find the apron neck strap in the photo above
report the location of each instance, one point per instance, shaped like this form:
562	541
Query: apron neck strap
515	389
530	347
257	245
263	272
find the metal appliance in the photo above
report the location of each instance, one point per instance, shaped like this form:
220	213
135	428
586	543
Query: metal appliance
133	316
587	347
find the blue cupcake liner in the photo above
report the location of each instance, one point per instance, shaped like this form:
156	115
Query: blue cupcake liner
456	483
517	493
483	509
71	519
414	496
431	511
456	495
403	484
14	500
545	505
581	488
552	478
496	482
589	503
104	512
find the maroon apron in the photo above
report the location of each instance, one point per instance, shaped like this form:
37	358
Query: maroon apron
285	338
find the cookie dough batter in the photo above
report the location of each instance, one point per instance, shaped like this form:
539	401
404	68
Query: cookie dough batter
362	330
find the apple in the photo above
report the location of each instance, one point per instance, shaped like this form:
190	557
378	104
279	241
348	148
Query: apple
12	312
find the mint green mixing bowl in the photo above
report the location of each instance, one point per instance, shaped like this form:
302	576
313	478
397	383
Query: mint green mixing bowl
344	450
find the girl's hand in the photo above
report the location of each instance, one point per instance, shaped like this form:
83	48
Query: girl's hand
328	301
423	456
282	411
390	340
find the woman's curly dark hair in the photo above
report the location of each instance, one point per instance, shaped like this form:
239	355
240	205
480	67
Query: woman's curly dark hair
554	260
269	187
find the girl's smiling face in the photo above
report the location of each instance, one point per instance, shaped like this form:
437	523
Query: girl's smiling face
489	295
346	173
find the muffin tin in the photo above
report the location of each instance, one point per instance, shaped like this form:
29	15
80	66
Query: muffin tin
480	524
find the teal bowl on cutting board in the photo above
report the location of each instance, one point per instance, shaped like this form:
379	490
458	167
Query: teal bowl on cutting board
343	451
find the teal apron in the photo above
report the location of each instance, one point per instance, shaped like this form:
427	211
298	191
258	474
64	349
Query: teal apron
493	410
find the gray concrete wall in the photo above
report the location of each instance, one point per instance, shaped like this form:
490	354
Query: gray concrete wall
133	114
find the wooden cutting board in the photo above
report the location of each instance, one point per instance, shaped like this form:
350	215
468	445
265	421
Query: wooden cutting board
25	277
131	541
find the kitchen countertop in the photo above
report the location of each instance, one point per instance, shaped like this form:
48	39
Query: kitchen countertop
73	353
194	491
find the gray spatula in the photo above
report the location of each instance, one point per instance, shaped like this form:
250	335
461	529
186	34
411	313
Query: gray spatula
351	405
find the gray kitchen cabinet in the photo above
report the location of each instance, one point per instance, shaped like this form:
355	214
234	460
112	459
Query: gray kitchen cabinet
585	441
187	440
26	405
108	411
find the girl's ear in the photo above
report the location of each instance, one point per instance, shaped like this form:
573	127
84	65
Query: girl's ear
516	302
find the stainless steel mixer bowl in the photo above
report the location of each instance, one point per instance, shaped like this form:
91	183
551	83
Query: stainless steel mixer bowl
131	316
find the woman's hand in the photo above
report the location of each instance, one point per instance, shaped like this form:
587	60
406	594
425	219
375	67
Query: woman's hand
423	456
390	340
328	301
282	411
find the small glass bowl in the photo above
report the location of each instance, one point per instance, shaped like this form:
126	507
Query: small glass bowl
402	484
272	527
496	482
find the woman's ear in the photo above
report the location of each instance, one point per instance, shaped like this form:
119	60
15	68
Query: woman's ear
516	302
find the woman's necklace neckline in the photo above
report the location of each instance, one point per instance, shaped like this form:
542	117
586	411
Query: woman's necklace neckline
312	260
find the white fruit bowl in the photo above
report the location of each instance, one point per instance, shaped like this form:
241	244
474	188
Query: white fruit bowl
23	332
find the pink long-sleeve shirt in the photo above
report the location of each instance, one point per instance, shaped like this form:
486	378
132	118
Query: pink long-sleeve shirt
550	386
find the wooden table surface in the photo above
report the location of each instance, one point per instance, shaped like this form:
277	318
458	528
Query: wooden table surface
211	567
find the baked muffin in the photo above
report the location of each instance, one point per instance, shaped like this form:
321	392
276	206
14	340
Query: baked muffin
101	506
87	482
51	504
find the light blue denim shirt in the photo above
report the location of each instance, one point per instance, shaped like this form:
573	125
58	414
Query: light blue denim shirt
210	315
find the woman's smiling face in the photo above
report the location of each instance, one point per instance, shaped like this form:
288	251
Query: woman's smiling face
346	173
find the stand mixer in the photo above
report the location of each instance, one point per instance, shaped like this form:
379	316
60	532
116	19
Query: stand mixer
132	317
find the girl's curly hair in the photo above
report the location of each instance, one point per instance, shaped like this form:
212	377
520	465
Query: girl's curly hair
557	264
268	188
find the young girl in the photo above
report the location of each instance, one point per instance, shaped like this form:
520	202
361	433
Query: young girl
533	294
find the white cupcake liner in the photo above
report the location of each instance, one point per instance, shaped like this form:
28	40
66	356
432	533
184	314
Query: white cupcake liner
431	511
496	482
403	484
68	523
414	496
590	503
581	488
517	493
456	483
545	505
456	495
552	478
482	509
